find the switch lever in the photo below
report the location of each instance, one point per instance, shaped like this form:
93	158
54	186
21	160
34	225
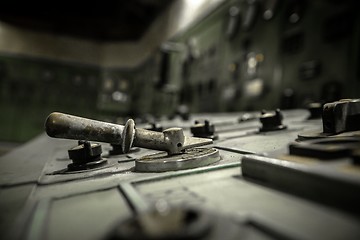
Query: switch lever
172	140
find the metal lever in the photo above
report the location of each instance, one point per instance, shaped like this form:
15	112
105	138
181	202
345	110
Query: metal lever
172	140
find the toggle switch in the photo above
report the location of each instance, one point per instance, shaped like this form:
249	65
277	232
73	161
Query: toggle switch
181	151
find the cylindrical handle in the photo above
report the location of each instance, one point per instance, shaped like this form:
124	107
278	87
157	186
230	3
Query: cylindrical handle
172	140
60	125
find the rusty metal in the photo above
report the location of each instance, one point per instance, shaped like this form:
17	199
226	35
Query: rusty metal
173	141
59	125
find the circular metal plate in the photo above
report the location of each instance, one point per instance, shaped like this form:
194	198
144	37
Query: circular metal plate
191	158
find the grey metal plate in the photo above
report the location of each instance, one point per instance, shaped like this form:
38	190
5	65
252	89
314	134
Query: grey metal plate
61	201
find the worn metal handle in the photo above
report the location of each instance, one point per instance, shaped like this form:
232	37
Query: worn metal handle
173	141
60	125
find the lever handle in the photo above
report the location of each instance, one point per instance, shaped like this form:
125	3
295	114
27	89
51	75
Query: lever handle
60	125
172	140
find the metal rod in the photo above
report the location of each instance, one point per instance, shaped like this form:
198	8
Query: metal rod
150	139
60	125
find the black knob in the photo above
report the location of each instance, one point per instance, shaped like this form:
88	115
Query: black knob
204	130
85	156
271	121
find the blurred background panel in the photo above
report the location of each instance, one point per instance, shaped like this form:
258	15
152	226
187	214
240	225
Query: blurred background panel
148	59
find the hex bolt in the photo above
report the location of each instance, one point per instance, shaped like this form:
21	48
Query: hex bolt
173	141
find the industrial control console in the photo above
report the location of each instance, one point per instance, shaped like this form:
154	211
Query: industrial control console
274	174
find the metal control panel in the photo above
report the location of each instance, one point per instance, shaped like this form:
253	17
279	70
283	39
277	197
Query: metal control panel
277	174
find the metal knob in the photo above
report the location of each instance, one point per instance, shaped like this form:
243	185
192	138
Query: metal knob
204	130
173	141
341	116
271	121
85	156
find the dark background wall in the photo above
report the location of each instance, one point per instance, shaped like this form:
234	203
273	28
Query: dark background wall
241	55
